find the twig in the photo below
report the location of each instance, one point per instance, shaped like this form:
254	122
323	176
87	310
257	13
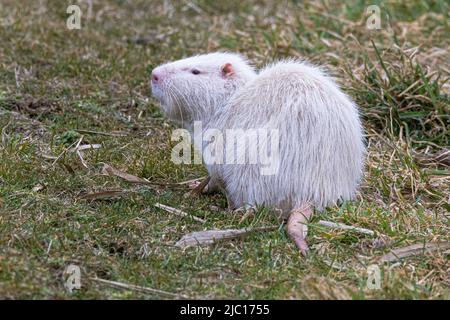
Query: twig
4	133
46	156
88	146
65	150
122	285
104	194
79	142
209	237
111	134
342	226
178	212
79	152
193	6
111	171
49	246
80	155
414	250
192	180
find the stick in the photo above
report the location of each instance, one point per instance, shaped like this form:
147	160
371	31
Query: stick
87	146
80	155
342	226
65	150
178	212
209	237
138	288
111	134
79	152
414	250
192	180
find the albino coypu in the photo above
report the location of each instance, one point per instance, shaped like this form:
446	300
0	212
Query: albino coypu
320	149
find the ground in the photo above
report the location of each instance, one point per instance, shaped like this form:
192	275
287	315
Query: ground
59	87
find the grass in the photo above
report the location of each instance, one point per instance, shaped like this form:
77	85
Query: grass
55	83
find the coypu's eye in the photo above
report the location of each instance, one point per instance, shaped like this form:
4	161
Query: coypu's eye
195	71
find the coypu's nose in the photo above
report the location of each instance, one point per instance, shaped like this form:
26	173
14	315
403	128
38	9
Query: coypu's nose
157	75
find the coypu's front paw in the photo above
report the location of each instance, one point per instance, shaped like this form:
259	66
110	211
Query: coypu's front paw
198	187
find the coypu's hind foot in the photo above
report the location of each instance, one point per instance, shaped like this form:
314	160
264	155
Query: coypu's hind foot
297	228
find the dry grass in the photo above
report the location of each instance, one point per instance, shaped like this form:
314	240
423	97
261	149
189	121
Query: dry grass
58	86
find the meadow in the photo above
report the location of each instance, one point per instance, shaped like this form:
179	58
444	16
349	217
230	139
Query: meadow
61	89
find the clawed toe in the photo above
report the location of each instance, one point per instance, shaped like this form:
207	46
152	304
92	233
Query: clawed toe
302	246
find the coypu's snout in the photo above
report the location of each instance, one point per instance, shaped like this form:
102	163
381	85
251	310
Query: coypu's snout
157	75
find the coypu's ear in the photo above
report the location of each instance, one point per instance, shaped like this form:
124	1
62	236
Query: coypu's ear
227	70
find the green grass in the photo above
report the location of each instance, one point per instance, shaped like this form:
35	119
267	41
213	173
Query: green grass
55	83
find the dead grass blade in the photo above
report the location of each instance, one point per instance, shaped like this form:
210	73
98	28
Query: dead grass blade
108	170
209	237
76	143
439	158
111	134
111	171
178	212
83	162
414	250
48	157
133	287
106	194
78	149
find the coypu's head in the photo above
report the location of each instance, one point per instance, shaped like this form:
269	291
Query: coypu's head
192	89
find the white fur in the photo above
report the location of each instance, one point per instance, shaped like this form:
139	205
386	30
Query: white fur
321	139
186	97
